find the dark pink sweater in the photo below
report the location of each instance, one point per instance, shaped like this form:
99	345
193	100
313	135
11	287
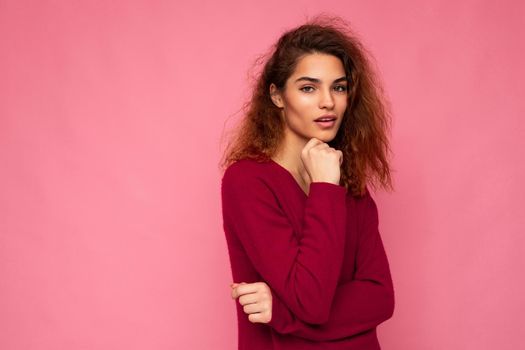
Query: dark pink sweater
321	254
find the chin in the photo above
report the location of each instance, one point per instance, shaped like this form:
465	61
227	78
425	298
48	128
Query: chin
326	137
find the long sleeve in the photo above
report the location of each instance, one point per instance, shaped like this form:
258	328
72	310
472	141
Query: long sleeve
359	304
301	268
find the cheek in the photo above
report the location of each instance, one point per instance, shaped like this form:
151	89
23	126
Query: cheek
343	102
306	108
298	106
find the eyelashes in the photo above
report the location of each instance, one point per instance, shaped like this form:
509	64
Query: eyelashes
338	88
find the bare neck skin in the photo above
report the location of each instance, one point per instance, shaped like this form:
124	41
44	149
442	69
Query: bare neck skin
289	156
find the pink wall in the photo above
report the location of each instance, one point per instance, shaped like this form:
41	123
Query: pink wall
111	116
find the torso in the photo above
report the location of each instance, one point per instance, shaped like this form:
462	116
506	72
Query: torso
305	185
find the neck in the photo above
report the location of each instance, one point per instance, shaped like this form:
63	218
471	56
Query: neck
289	156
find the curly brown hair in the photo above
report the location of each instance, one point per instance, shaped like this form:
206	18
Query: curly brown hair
362	136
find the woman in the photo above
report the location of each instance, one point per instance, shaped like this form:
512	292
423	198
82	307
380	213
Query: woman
309	267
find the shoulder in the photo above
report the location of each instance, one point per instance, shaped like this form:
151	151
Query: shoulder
246	175
364	199
245	168
249	184
366	206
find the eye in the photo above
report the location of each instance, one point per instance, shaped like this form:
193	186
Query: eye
340	88
307	87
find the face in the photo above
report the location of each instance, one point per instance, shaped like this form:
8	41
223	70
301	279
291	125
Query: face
318	87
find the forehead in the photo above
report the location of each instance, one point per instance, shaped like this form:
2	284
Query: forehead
319	65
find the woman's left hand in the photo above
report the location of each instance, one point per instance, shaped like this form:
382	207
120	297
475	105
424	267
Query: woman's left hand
256	299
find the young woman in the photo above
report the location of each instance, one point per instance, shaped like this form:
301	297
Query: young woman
308	263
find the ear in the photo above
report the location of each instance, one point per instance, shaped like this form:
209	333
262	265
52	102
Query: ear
276	96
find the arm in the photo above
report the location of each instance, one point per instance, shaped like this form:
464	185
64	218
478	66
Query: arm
302	268
359	304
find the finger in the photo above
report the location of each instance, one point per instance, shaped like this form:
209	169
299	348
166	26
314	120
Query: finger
233	291
321	146
233	286
311	143
340	157
249	298
246	288
257	318
318	147
252	308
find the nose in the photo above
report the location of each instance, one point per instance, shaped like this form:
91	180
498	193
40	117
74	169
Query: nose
327	100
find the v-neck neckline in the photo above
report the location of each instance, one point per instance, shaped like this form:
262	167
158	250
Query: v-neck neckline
290	176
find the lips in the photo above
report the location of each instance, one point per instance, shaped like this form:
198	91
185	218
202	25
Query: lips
326	121
326	118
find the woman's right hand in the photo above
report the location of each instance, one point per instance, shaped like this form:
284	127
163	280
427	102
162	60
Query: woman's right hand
256	299
322	162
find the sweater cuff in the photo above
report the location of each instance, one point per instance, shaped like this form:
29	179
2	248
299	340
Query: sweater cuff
326	188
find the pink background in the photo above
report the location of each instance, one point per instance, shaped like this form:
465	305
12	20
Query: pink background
111	117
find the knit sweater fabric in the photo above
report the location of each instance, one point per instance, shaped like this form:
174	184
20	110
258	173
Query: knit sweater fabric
321	254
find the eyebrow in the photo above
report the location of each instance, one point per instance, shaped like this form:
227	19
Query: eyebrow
315	80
